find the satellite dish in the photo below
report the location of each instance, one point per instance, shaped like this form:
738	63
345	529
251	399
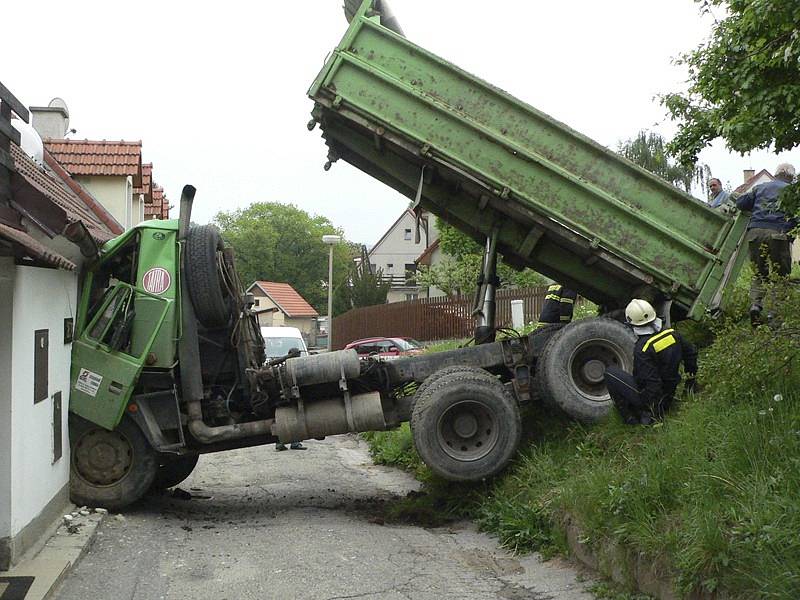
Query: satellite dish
59	103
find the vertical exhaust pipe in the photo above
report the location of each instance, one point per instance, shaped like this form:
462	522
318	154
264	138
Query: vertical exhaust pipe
185	215
378	7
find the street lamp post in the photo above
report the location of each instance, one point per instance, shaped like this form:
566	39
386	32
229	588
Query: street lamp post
331	240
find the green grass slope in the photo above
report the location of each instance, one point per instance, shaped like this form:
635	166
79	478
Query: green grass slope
713	491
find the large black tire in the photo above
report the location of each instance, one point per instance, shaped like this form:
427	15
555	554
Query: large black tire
466	426
174	469
569	373
434	377
109	469
211	302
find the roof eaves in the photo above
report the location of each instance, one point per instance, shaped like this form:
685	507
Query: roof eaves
107	219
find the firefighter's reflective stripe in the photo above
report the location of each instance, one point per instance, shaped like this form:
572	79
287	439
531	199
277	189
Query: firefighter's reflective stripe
565	318
663	335
555	297
554	288
567	300
664	343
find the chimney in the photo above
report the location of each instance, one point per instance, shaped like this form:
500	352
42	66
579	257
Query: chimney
748	173
51	121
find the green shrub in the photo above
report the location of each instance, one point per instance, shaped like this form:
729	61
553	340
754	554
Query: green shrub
713	491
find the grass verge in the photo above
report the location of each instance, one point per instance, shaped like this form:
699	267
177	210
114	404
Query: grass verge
714	491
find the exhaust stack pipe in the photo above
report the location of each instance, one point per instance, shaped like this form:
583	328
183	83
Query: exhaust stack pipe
378	7
189	355
185	216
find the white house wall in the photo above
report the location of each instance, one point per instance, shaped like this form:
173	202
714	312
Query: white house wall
394	249
114	193
6	314
42	299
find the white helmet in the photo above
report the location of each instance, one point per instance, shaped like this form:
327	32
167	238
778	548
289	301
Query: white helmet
639	312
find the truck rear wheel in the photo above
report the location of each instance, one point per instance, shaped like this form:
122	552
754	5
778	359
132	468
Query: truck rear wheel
436	376
570	371
173	470
466	426
109	469
211	302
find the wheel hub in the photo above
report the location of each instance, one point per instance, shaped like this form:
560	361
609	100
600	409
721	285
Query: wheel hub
102	457
588	364
465	425
593	371
468	430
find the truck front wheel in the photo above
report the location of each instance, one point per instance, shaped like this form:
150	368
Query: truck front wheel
109	469
466	426
570	371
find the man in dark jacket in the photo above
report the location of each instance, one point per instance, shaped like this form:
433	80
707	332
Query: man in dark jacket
649	392
768	239
558	306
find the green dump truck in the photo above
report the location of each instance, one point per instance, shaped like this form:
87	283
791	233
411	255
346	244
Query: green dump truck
168	361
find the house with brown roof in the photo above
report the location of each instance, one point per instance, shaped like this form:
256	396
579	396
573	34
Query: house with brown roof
395	254
279	305
151	196
109	170
49	227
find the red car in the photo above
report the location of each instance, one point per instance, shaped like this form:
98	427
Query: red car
385	348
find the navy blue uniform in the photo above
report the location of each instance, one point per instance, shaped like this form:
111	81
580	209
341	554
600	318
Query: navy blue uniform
649	391
558	305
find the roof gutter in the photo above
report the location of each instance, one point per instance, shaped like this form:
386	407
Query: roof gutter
102	214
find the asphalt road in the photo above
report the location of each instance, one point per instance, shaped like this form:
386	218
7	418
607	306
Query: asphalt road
300	524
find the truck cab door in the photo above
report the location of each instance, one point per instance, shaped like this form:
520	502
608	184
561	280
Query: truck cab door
105	362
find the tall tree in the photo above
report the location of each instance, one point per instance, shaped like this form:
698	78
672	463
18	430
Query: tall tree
280	242
364	287
649	150
744	82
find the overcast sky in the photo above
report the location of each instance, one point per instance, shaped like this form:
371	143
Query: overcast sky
217	91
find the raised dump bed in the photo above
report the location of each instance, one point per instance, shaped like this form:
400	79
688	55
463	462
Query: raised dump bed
479	158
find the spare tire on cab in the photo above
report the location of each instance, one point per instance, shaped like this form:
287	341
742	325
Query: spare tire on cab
207	290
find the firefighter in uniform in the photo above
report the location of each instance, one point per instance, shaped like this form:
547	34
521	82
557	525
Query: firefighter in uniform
649	392
558	305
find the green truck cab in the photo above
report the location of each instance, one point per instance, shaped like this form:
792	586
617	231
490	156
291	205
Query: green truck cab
168	360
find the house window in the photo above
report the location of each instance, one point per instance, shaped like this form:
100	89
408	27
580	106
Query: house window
389	266
258	302
372	267
407	234
412	296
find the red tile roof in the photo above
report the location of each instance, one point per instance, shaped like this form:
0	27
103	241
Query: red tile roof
425	257
86	157
35	248
287	299
159	208
145	188
49	183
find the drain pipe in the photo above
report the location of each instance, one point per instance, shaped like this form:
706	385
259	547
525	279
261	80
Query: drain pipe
189	355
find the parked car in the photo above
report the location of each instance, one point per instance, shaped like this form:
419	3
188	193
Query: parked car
385	348
279	340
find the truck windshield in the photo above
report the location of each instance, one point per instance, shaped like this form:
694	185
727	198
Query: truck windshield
280	346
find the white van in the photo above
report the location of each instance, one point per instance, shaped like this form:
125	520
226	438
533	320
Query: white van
279	340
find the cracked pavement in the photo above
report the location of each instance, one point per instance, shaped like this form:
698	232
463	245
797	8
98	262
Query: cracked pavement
301	524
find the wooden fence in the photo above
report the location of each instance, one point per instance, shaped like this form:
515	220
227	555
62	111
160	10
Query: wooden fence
428	319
